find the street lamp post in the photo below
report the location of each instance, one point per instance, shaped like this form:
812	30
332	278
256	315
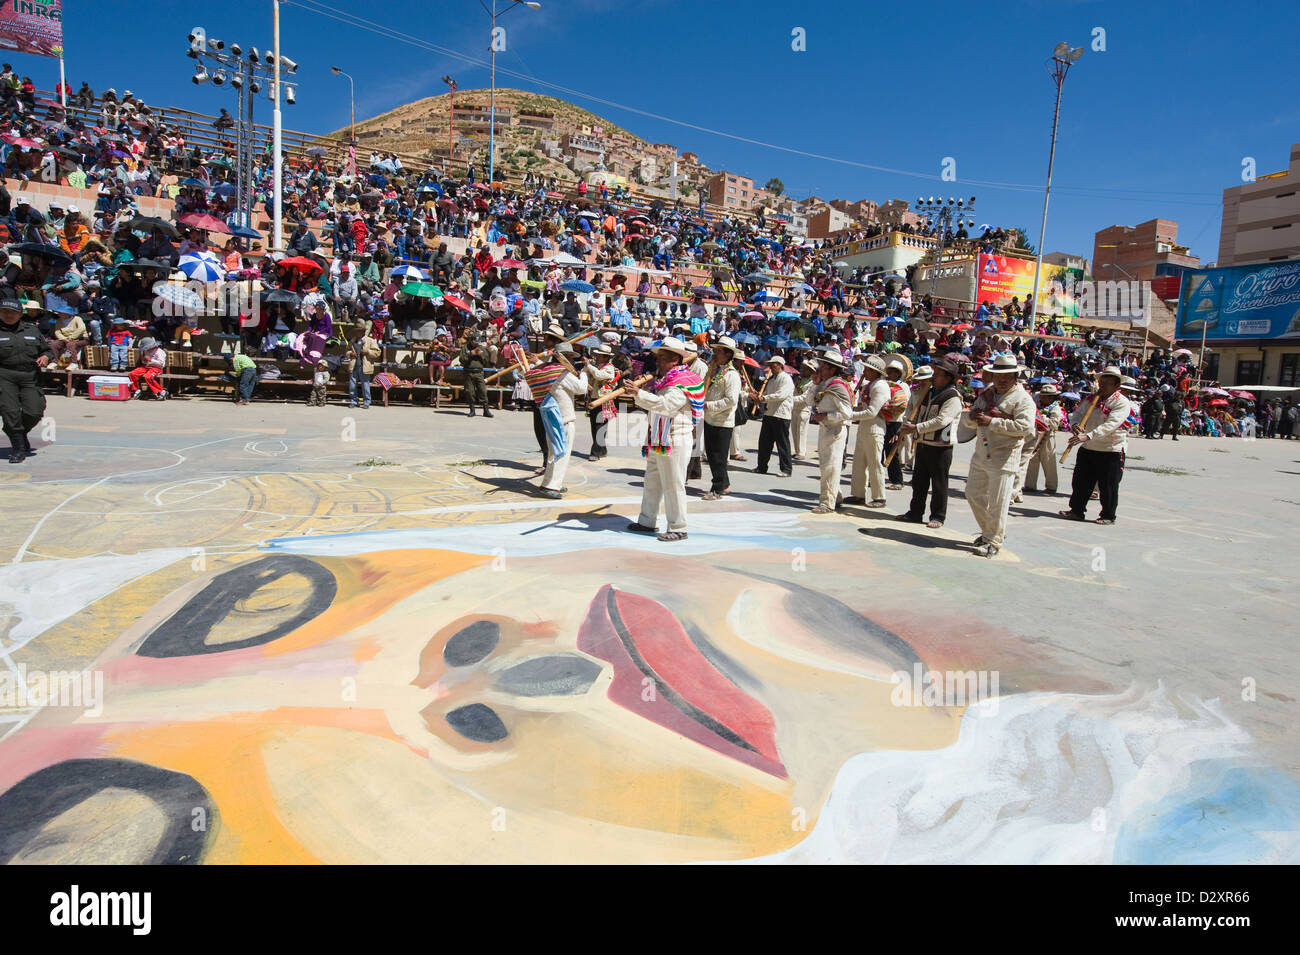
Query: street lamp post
352	102
1062	59
492	112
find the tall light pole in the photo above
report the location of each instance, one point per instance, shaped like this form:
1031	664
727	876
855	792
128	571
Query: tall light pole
277	141
352	101
1062	59
452	86
492	112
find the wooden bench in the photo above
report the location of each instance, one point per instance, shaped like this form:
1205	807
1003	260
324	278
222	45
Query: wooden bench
73	374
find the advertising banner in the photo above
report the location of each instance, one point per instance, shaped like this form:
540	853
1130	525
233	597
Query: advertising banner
29	26
1243	301
1002	277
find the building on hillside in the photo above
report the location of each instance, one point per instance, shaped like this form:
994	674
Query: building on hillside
897	213
1261	219
826	222
729	190
667	150
1139	253
536	119
478	116
1066	260
864	210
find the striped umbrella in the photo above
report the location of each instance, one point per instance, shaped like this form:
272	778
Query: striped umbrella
179	295
409	272
202	267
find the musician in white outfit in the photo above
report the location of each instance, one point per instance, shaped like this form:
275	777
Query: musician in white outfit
804	389
867	460
834	404
668	442
563	392
1004	417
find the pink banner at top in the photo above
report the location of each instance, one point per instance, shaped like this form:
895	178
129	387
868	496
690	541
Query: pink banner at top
30	26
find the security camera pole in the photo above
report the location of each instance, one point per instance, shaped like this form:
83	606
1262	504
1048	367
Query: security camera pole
1062	59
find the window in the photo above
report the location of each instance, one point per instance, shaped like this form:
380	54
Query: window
1248	372
1211	370
1288	375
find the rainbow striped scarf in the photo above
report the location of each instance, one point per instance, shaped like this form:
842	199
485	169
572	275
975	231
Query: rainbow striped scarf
659	437
542	377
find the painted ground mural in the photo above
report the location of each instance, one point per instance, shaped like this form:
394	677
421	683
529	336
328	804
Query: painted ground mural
322	664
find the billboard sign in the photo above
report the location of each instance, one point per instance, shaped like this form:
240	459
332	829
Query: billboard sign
1001	277
29	26
1243	301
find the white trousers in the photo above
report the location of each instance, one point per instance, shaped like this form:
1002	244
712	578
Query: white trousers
867	462
799	432
830	458
988	492
665	482
553	479
1045	455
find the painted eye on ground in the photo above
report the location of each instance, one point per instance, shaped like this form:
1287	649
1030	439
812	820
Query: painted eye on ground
560	675
472	644
477	722
245	606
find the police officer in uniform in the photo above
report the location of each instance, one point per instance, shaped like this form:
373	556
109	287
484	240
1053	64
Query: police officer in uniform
473	359
22	351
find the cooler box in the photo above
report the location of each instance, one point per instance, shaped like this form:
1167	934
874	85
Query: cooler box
108	388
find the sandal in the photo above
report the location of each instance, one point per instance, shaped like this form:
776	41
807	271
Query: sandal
1070	515
823	509
711	496
640	528
671	536
1102	520
879	502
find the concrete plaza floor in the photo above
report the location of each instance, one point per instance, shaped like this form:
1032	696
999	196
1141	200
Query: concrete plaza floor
274	597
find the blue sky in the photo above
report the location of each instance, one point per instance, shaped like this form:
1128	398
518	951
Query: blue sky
1156	125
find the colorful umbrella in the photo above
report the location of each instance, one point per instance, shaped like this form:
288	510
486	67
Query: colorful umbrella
577	285
409	273
200	220
202	267
459	303
422	290
179	296
301	264
509	264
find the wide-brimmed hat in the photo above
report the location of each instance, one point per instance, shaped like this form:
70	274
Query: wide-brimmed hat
1127	383
728	343
603	350
924	373
1003	365
1111	371
832	357
775	360
948	365
691	347
671	344
875	363
552	333
1048	389
809	363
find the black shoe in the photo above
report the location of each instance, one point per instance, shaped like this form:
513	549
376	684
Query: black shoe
16	454
787	474
472	412
757	471
27	445
909	519
486	413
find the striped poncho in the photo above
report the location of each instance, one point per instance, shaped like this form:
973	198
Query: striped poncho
659	436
